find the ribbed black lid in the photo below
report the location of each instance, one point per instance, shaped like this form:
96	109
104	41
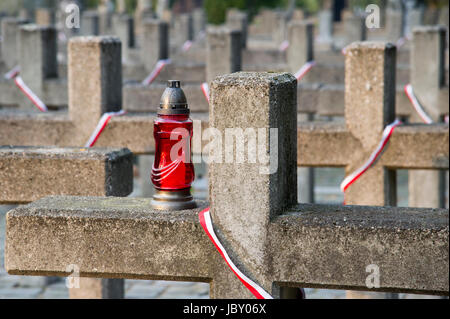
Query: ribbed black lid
173	100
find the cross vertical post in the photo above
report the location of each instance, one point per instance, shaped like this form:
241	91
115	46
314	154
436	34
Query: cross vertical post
428	82
369	108
271	122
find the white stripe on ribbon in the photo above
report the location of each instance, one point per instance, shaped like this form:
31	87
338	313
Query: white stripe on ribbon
284	45
350	179
158	68
304	70
12	73
205	90
30	94
186	46
416	104
257	291
101	126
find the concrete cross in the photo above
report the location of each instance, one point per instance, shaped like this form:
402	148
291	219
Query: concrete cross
36	56
30	173
370	106
254	215
427	188
98	91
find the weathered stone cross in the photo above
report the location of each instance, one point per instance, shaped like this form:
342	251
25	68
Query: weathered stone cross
428	79
274	241
30	173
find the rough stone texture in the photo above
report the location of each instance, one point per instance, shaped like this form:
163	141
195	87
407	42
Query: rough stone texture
301	44
331	245
125	239
128	239
253	100
223	52
30	173
98	91
155	42
370	103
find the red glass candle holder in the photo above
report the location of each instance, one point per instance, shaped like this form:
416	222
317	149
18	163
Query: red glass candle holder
173	171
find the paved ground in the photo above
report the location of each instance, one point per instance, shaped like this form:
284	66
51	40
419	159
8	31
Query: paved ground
327	191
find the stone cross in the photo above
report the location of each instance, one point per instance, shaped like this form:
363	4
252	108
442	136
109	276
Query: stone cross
427	188
254	215
30	173
37	58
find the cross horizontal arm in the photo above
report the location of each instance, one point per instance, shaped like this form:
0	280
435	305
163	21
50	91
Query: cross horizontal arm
30	173
35	129
319	144
418	146
324	144
410	147
331	246
107	237
112	237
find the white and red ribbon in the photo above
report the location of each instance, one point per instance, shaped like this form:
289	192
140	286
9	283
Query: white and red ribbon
12	73
350	179
255	289
30	94
186	46
205	90
416	104
101	126
156	71
284	45
304	70
344	51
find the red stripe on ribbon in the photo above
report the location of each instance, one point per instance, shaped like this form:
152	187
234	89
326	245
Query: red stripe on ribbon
186	46
156	71
257	291
353	177
284	45
12	73
416	104
101	126
205	90
304	70
30	94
